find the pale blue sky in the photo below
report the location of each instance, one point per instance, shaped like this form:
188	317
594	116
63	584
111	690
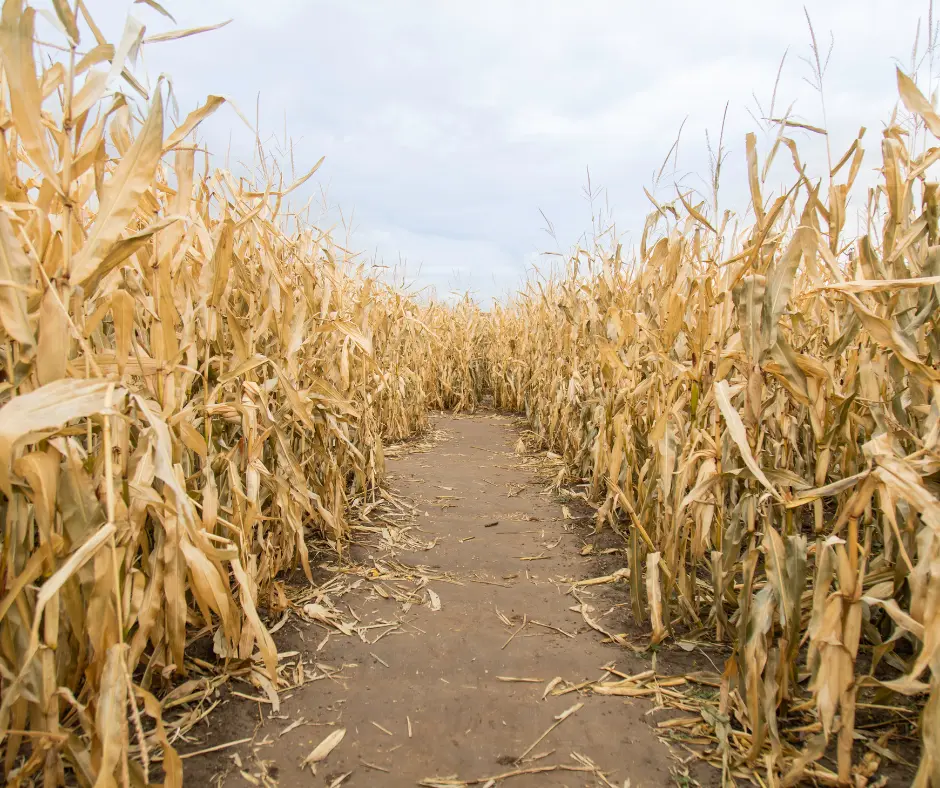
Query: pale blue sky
448	126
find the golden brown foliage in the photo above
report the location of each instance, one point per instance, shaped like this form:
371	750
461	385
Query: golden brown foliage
189	389
456	373
761	424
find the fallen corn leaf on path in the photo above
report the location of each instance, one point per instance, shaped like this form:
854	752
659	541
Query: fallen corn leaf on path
428	703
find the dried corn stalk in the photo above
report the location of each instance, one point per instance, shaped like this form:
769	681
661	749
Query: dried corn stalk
761	411
189	391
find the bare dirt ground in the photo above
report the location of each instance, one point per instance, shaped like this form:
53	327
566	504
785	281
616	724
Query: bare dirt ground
429	700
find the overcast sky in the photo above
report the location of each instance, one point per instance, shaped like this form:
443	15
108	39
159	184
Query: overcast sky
448	126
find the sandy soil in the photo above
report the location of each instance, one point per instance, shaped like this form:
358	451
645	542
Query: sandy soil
426	701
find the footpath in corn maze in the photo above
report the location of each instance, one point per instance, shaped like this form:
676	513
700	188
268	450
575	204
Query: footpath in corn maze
461	641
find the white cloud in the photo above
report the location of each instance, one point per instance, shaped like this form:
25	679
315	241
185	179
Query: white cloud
448	125
437	265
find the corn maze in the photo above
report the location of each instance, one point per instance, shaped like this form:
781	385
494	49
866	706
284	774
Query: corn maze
195	384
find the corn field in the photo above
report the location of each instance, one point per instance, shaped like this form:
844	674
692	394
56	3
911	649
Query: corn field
190	390
757	414
196	383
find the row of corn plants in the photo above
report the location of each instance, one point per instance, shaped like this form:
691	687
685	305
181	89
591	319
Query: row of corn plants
757	412
193	384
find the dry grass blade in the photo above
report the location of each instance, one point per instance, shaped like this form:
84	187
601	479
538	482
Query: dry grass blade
324	748
559	719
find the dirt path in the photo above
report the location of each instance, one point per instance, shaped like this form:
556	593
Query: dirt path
427	701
